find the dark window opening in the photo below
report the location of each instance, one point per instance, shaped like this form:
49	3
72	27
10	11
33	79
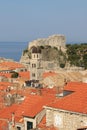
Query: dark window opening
33	74
33	65
29	125
18	128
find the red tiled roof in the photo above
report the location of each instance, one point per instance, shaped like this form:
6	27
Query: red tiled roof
11	65
25	75
46	74
4	85
75	102
6	113
42	124
3	125
7	75
32	105
75	86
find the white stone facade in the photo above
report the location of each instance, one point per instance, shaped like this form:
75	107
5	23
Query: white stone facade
65	120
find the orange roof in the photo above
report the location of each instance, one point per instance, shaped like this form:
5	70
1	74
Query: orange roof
25	75
11	65
46	74
48	92
6	113
7	75
5	83
75	86
3	125
75	102
32	105
42	124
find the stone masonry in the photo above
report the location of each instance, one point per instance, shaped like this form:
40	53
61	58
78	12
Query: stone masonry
65	120
53	41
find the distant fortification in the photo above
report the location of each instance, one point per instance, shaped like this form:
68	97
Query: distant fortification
45	54
53	41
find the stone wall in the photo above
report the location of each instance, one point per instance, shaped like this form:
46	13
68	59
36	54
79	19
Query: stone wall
65	120
35	120
54	41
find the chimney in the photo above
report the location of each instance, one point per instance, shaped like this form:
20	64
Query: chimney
59	92
13	119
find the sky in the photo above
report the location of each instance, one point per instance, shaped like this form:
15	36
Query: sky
26	20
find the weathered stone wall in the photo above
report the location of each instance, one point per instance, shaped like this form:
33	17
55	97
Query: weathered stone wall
35	120
54	41
64	120
40	116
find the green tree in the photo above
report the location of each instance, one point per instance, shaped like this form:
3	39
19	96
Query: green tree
85	60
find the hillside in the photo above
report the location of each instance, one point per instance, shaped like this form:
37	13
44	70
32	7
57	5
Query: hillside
48	53
77	54
54	49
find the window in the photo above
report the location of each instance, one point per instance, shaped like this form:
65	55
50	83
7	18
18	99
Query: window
33	65
29	125
37	55
33	74
18	128
34	56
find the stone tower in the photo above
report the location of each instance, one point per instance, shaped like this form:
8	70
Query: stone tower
35	64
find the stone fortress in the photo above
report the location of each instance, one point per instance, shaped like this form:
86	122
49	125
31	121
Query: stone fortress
58	41
33	58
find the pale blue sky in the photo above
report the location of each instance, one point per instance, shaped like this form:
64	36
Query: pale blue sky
26	20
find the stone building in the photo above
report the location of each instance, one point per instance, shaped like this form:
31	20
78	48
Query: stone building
26	115
70	111
36	67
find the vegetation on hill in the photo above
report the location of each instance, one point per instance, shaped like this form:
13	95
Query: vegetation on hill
53	54
77	54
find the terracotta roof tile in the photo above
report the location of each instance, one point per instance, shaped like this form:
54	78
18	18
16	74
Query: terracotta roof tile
3	125
6	113
4	85
32	105
25	75
42	124
11	65
7	75
75	102
47	74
